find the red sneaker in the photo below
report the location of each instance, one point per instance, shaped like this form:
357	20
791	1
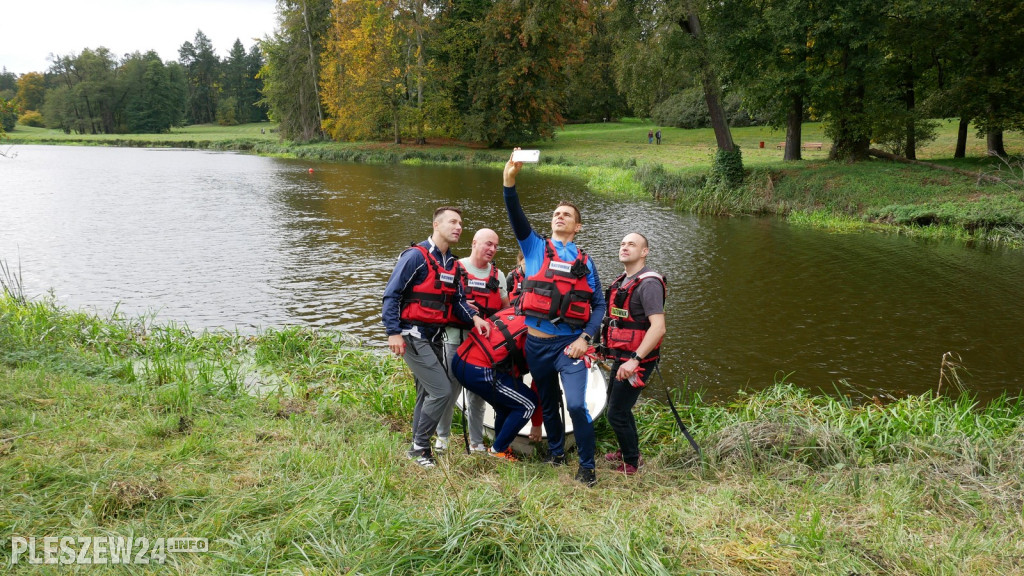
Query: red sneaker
627	469
613	456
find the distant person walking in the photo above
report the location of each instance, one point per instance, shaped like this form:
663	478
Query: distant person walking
658	135
650	136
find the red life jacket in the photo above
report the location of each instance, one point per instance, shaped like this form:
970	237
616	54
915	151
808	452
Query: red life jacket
623	332
559	291
430	301
515	287
484	292
503	349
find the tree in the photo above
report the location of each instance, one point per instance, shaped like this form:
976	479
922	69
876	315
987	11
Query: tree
154	102
766	45
93	95
202	69
520	78
365	70
290	74
591	93
31	91
8	84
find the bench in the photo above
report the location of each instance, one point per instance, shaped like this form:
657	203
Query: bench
804	146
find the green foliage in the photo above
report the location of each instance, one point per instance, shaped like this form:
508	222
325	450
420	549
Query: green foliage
520	81
689	109
32	118
8	115
727	168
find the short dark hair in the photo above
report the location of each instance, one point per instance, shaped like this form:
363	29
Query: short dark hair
443	209
579	217
647	243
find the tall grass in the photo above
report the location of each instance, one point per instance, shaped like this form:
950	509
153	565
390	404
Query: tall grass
300	467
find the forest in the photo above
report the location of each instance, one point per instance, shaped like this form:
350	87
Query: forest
876	73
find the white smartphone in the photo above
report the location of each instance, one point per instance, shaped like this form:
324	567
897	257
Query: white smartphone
532	156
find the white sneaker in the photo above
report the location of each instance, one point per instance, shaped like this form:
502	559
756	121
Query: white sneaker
441	444
477	448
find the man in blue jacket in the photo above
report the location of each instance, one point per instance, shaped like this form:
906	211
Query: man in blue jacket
422	296
563	301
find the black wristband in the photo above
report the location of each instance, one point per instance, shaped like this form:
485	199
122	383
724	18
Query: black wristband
636	357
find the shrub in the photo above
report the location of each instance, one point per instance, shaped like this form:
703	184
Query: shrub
32	118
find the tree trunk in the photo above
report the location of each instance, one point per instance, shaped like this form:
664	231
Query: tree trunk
994	138
709	82
794	128
909	98
851	143
313	74
961	138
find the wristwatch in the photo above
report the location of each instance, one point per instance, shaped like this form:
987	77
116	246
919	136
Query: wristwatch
635	356
587	337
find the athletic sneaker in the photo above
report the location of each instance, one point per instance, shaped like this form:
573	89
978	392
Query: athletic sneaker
441	444
422	456
627	469
507	454
586	476
477	448
555	459
617	457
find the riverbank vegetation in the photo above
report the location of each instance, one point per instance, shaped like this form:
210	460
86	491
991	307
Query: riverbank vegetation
286	450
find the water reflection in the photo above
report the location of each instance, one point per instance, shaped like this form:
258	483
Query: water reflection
226	240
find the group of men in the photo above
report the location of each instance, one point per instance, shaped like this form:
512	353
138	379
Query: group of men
456	324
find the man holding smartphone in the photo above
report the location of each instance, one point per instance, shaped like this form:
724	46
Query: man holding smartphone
564	305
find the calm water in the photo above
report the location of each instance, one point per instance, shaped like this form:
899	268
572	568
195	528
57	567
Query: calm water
234	241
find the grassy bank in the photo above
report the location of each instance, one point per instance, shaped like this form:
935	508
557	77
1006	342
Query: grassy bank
614	158
122	427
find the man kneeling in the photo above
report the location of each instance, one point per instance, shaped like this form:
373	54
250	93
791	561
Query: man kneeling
492	367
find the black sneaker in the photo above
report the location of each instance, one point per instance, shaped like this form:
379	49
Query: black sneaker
423	457
555	459
586	476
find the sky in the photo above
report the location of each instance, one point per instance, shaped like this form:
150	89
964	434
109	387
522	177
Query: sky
33	30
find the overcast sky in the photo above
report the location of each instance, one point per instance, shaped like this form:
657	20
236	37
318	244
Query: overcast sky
32	30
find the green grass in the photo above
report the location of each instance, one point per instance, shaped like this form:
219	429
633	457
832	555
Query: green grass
614	159
308	474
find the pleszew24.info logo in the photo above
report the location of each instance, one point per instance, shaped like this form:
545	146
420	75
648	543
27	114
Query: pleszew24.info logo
100	549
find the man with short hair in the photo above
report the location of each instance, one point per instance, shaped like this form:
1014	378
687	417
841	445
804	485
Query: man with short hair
563	304
632	334
422	296
484	287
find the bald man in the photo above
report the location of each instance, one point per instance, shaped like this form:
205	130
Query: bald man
484	287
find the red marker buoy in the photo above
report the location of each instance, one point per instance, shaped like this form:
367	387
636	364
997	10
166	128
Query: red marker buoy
310	170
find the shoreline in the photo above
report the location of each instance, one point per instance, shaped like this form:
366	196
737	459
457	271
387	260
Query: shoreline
872	196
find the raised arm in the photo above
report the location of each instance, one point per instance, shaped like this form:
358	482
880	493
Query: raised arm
516	217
